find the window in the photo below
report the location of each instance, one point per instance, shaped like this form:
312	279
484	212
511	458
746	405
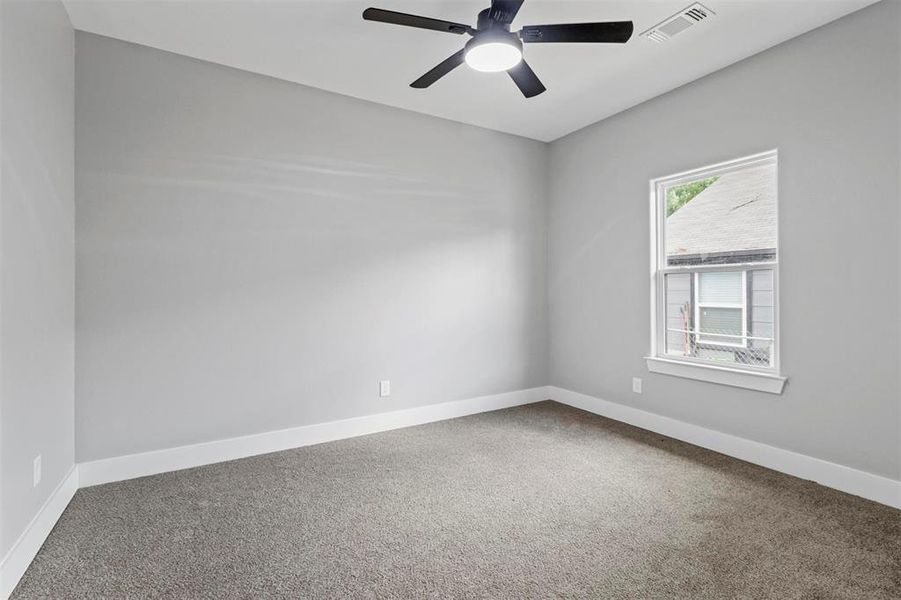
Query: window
715	269
721	311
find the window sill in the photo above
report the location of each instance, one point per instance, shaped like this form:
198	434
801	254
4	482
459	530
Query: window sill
751	380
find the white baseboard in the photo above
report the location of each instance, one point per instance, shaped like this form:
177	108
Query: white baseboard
26	547
183	457
860	483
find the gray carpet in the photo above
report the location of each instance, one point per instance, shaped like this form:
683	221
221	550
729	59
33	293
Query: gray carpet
540	501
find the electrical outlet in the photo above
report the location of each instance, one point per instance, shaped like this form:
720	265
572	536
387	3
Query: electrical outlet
636	385
384	388
36	471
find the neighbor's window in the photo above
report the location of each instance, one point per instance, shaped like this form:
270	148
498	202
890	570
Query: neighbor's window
715	264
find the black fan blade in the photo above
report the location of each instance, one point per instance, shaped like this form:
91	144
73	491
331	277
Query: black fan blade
398	18
615	32
526	79
440	70
504	11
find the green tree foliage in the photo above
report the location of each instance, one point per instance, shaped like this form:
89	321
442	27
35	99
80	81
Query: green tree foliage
680	195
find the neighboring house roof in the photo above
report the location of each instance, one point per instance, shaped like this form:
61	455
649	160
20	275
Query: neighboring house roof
736	214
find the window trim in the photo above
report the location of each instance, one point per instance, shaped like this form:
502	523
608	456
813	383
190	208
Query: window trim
767	379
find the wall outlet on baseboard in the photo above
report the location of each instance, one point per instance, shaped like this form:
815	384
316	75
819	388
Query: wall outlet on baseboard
36	471
636	385
384	388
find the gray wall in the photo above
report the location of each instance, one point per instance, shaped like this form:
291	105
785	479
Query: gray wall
254	254
829	101
36	257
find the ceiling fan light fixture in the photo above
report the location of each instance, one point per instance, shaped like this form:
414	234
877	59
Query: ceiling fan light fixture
493	56
494	48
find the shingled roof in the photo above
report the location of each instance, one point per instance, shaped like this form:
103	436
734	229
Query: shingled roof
736	215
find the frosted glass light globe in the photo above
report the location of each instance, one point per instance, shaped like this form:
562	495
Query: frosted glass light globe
492	57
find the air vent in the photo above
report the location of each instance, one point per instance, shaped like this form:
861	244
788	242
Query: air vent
678	23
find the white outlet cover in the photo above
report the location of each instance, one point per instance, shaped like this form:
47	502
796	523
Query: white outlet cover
384	388
36	471
636	385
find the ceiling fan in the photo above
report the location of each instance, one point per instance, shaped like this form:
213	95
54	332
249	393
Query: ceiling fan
495	48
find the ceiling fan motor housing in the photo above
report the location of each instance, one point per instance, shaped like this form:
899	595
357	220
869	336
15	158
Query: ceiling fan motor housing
485	22
497	35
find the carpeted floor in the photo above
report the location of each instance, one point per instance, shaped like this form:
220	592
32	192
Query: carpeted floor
540	501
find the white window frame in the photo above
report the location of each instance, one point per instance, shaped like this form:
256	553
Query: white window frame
743	305
766	379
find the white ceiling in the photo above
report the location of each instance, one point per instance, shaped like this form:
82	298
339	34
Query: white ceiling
326	44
